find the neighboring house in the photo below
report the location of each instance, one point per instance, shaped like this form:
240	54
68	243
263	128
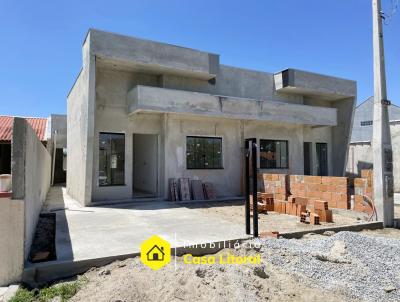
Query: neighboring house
6	125
141	112
57	135
360	154
46	129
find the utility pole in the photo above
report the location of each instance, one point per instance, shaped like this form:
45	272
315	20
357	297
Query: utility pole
381	140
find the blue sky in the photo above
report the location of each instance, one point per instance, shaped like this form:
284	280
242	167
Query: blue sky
41	41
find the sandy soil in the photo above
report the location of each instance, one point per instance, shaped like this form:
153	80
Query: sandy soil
234	212
130	280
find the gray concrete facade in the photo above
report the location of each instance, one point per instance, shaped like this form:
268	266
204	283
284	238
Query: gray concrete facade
133	86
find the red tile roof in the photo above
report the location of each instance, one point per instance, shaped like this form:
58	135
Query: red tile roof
37	123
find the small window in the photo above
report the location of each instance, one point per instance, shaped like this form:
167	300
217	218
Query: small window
111	159
203	152
366	123
274	154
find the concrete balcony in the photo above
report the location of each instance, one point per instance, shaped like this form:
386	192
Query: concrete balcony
154	99
305	83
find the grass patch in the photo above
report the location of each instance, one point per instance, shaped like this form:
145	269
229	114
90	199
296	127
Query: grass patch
64	290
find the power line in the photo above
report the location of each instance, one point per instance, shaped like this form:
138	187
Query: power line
386	17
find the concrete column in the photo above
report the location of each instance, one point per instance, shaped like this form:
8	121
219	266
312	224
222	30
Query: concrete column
381	141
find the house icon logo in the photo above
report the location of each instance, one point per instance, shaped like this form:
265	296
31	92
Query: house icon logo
155	252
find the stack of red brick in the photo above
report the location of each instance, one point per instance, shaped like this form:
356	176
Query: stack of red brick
363	192
293	206
265	202
276	184
321	210
334	190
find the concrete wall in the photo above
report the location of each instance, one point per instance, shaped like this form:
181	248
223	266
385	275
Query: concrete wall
56	123
80	129
11	240
31	172
227	181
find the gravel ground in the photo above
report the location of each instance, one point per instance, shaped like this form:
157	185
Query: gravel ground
358	266
346	266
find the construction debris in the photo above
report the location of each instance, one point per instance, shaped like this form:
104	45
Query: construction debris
185	189
363	193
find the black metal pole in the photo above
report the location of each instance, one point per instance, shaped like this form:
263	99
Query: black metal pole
247	185
255	202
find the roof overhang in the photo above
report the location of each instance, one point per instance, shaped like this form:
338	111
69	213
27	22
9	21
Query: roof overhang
293	81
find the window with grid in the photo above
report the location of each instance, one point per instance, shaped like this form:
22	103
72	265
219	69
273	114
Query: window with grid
274	154
203	152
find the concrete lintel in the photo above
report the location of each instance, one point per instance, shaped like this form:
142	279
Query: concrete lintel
154	99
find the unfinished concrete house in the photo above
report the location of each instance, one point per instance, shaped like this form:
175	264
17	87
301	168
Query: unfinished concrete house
142	112
360	154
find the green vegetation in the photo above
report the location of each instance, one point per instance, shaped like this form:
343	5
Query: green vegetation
63	290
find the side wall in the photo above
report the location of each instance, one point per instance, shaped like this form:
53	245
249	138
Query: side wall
80	130
11	240
31	172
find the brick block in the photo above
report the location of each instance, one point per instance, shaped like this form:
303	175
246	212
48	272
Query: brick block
314	218
312	179
341	189
321	205
301	200
324	215
343	205
300	209
360	182
331	188
366	173
326	196
332	204
326	180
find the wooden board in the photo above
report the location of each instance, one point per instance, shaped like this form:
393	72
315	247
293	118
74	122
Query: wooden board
173	189
184	188
209	191
197	189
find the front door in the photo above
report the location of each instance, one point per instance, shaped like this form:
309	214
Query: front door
322	159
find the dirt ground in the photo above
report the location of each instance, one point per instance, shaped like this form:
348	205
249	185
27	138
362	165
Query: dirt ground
234	212
130	280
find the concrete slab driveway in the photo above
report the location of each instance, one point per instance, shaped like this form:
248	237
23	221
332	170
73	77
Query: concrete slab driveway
95	232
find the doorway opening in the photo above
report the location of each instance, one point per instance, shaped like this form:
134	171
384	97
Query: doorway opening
322	159
307	158
145	165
